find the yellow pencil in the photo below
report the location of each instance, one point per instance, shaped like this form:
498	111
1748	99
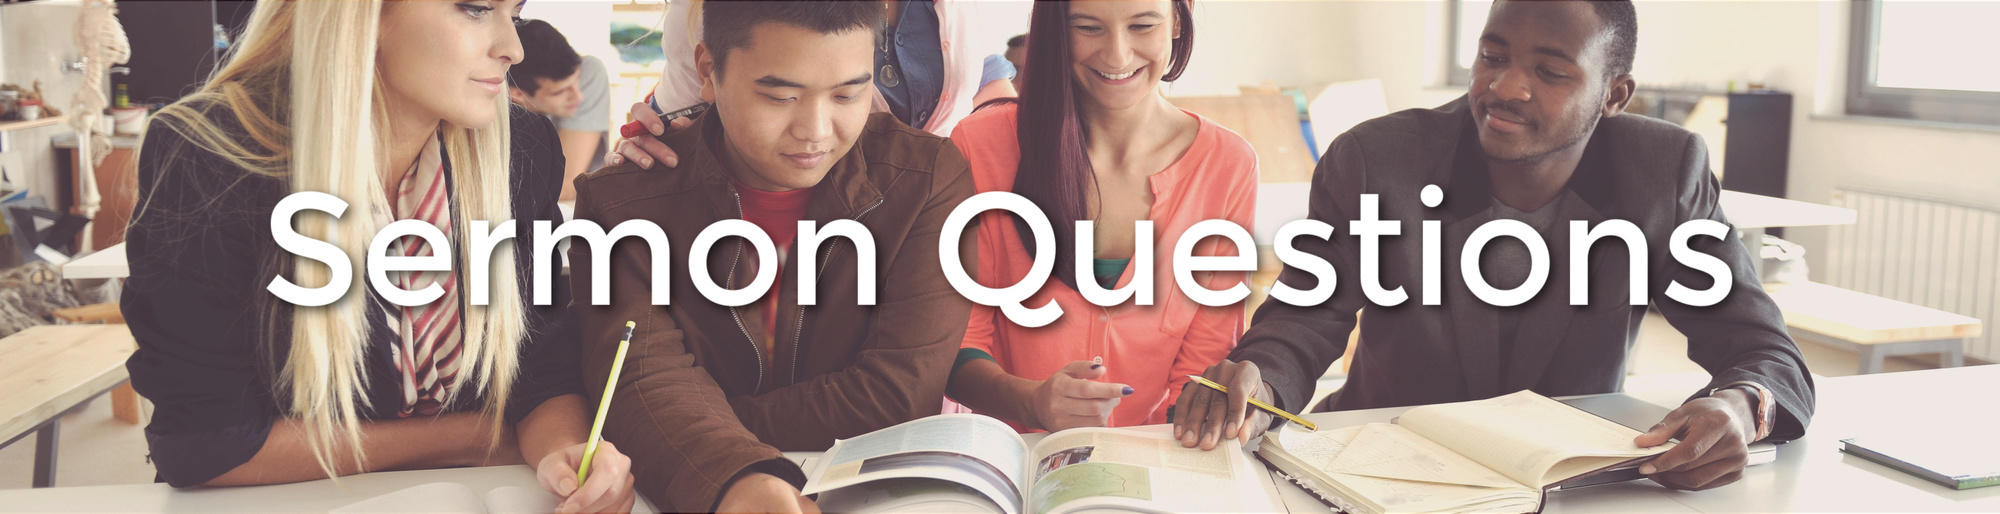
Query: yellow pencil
1259	403
604	405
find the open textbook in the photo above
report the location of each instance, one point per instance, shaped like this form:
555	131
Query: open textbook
961	462
454	498
1494	455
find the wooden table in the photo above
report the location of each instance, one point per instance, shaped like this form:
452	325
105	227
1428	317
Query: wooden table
48	370
1872	326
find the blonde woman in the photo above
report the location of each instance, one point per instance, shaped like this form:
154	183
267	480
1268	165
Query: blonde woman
398	109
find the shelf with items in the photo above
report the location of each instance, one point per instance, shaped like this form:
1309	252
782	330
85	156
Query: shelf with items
12	125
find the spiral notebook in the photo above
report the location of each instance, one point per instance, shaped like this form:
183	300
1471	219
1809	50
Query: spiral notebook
1950	462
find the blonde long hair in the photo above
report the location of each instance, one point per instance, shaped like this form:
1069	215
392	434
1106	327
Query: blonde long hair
303	86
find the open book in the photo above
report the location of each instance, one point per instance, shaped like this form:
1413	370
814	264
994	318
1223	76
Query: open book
1494	455
960	462
448	497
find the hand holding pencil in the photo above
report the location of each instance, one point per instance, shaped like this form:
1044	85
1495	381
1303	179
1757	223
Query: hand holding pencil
1204	415
609	488
593	476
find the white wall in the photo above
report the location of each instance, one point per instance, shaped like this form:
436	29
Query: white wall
1288	43
997	20
1797	46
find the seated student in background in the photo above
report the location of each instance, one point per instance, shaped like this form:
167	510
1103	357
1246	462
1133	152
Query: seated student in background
711	394
1093	140
1017	54
249	388
929	75
552	80
1540	138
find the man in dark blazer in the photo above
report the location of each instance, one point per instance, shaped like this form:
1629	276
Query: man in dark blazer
1540	139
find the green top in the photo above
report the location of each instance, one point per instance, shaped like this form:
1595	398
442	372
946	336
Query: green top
1108	270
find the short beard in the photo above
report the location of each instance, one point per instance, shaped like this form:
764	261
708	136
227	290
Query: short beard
1582	134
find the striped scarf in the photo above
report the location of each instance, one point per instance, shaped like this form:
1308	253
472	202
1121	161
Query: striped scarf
428	347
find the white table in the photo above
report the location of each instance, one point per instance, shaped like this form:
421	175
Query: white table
106	263
1269	480
315	496
1746	210
1810	475
1752	213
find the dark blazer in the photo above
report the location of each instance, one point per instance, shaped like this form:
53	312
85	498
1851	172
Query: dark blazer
1642	170
201	253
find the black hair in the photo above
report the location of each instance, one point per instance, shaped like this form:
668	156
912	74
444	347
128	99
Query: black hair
726	25
1017	41
545	54
1623	23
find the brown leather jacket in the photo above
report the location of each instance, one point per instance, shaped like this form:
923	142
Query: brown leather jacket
696	403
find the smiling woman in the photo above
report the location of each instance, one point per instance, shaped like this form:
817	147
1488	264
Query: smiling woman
395	108
1092	140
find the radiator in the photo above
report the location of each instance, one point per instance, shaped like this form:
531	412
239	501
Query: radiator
1937	254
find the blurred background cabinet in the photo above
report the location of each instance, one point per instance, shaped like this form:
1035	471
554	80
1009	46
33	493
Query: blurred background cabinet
117	187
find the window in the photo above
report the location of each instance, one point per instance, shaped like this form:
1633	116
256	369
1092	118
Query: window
1467	19
1920	60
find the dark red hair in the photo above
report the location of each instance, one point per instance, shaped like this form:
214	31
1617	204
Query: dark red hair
1055	170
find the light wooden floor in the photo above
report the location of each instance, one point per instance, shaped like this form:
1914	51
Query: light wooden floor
97	449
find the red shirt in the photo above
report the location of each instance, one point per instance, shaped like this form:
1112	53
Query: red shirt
778	215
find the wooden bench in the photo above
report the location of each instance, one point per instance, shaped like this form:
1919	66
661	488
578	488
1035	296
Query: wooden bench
1872	326
126	405
49	370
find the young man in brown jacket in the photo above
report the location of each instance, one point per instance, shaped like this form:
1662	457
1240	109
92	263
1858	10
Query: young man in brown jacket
710	394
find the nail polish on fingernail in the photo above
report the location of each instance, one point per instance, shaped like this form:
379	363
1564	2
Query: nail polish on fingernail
1095	366
1128	390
